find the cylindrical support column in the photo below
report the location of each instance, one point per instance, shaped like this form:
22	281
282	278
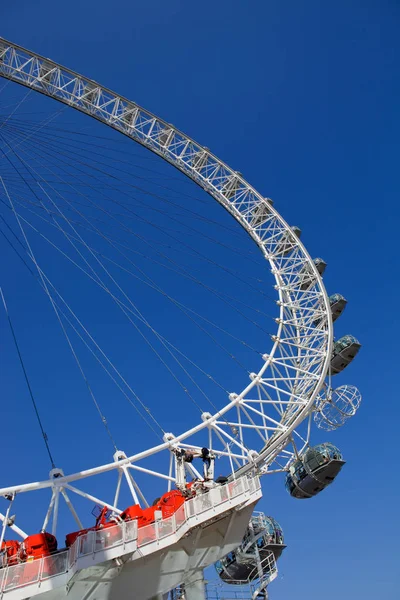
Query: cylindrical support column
195	588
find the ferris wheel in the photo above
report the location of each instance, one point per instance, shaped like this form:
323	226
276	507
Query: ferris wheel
263	428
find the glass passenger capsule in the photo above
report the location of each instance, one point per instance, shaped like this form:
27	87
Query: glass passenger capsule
334	407
288	241
338	304
261	212
314	471
344	351
307	277
263	537
165	135
200	159
231	185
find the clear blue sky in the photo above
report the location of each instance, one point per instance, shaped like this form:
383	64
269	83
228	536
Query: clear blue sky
303	99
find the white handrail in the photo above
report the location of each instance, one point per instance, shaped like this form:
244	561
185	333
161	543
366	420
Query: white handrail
120	534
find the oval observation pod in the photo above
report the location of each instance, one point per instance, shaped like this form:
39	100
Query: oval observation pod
306	275
344	351
288	241
262	544
312	473
231	185
333	408
260	212
338	304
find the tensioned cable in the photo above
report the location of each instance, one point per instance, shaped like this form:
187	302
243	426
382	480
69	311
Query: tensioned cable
165	199
8	81
135	265
193	213
195	363
103	419
17	107
158	210
161	229
39	127
25	250
86	332
169	216
154	331
122	305
210	289
109	214
153	171
210	377
148	410
76	232
35	407
174	300
160	338
223	418
182	272
152	284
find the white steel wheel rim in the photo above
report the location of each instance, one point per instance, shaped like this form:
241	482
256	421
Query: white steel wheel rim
295	369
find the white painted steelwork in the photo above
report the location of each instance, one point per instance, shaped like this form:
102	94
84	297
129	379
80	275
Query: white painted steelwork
126	543
257	423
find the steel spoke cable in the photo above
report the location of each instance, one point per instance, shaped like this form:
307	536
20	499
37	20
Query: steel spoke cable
168	214
7	82
109	214
39	127
165	199
154	331
50	138
117	300
163	230
162	174
127	297
152	284
124	307
180	271
89	336
214	381
161	339
197	215
212	337
103	419
118	140
234	274
28	93
35	407
114	242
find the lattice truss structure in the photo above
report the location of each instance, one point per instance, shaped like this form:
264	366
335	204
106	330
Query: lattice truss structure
259	424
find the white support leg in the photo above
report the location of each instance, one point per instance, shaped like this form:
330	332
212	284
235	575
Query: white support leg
5	522
128	478
71	508
55	512
49	510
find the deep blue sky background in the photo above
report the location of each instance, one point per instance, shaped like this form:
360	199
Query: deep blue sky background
303	99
